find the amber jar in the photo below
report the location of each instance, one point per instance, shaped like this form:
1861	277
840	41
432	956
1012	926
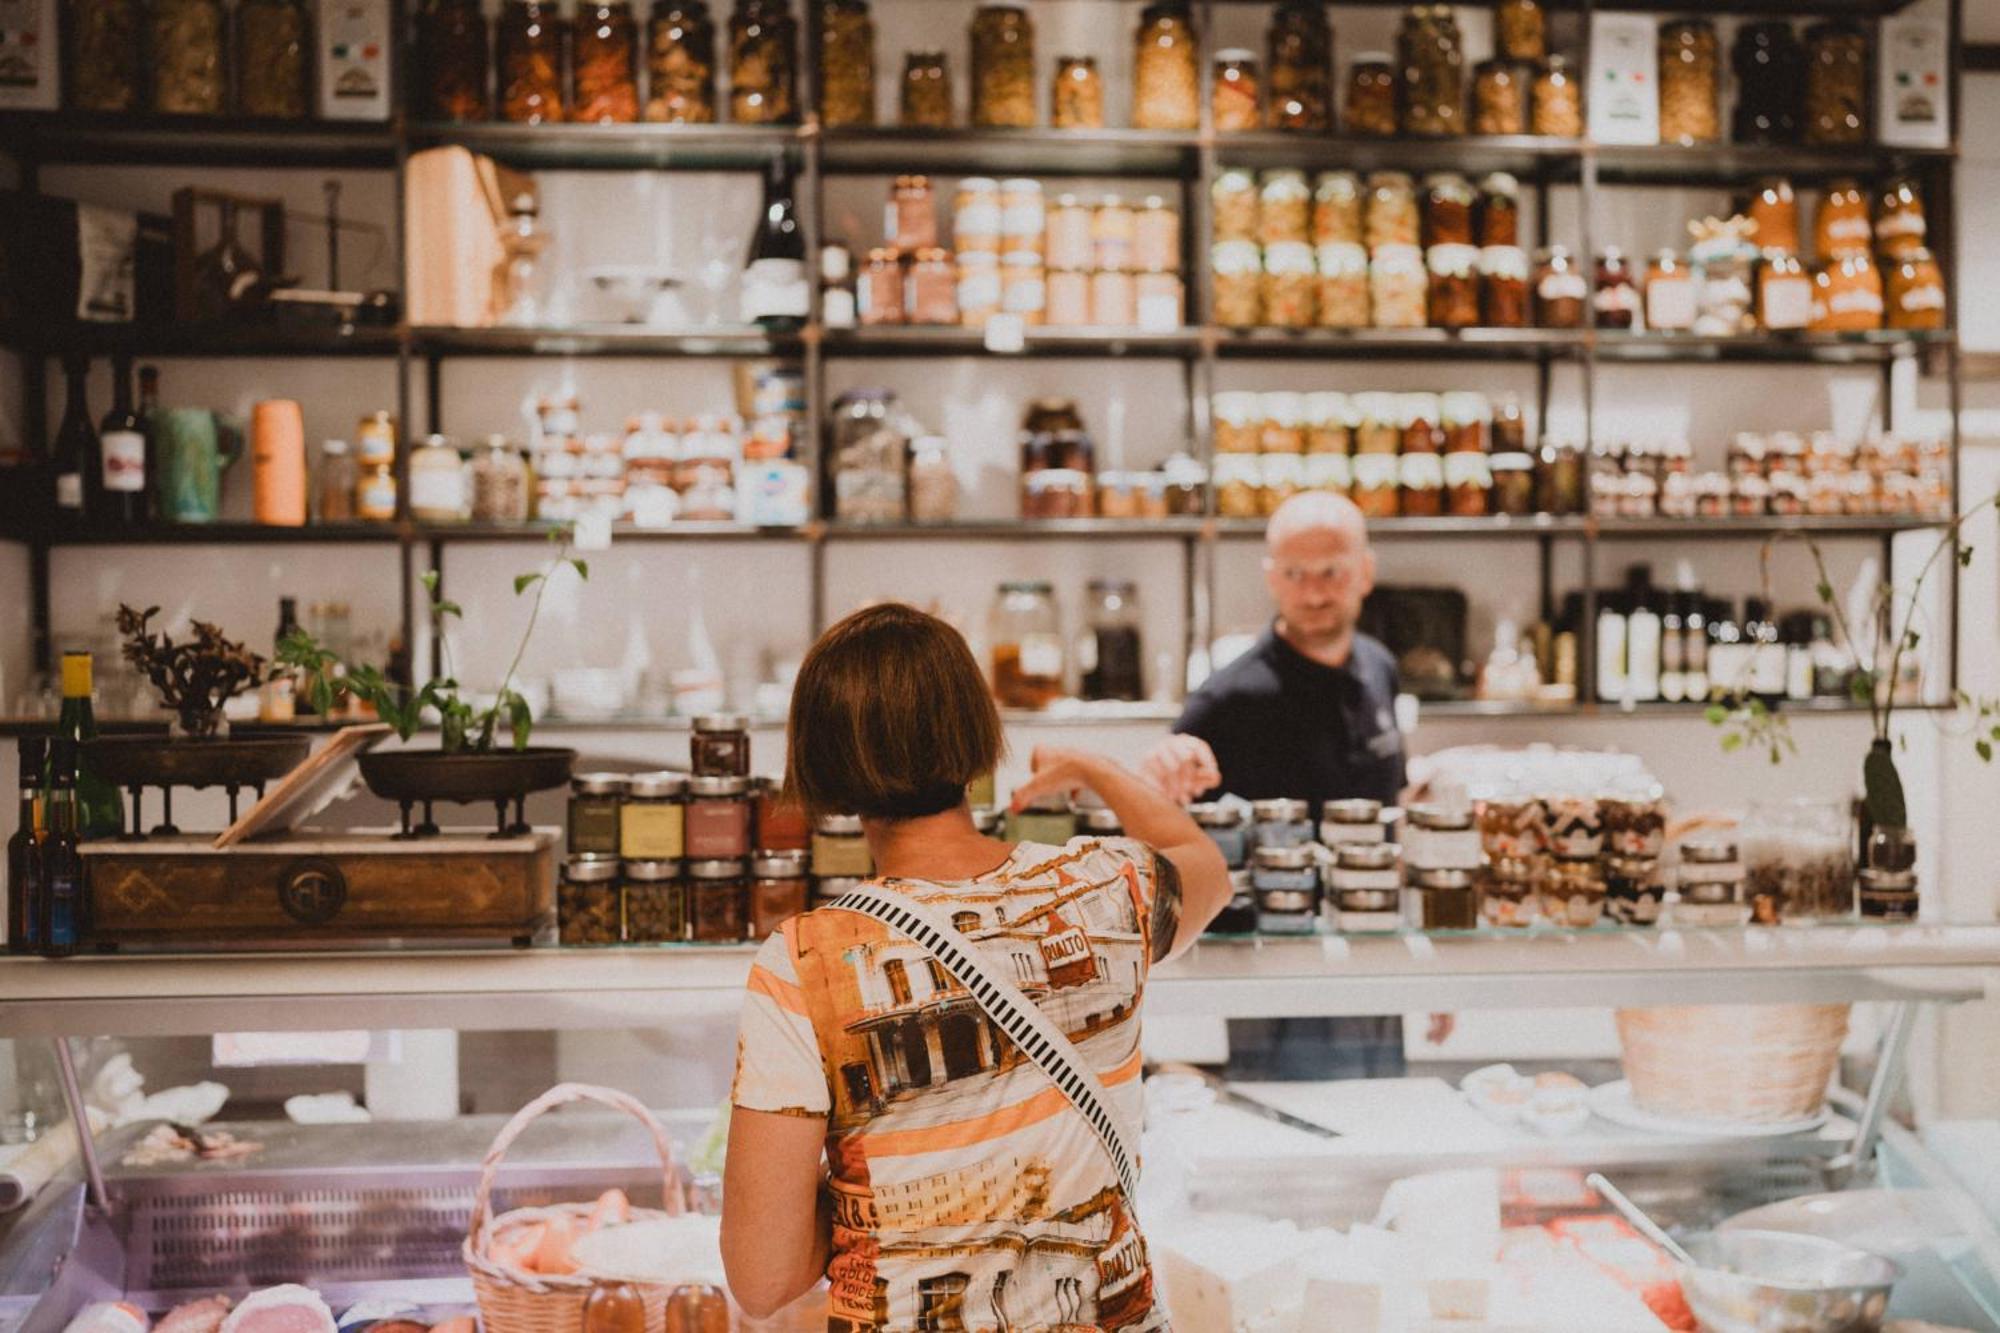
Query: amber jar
606	87
104	54
1371	95
1899	218
1690	82
926	98
1236	102
1774	215
680	64
1914	291
1503	287
1847	294
1078	101
1842	222
273	43
1448	205
1784	292
1520	30
1837	93
1499	211
1500	90
1513	484
778	890
763	64
1454	286
189	70
847	63
1560	290
1468	479
529	51
1433	70
1337	209
1003	68
718	901
1299	58
1420	478
1557	104
1166	80
1616	297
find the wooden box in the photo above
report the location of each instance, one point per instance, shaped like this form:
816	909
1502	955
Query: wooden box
318	891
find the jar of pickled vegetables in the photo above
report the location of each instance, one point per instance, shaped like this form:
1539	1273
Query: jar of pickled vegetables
1520	30
1166	81
529	49
1078	103
104	54
1433	69
763	64
1233	200
1690	82
607	64
1837	92
1391	212
1397	287
187	39
1237	102
1371	95
1299	56
273	42
1557	102
1289	285
680	64
1003	68
1238	267
926	98
1337	209
847	63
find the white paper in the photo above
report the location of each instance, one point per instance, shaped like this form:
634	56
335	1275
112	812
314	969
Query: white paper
1624	92
1913	83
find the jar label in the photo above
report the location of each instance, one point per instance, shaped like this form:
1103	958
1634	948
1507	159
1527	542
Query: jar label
440	489
124	461
1787	303
1563	287
1923	296
1670	303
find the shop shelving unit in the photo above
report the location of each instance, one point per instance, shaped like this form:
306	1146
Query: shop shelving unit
1187	162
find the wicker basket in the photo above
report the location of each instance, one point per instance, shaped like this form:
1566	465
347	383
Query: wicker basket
1755	1064
512	1300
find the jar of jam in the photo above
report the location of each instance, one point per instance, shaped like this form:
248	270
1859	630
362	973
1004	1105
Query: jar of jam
588	909
607	64
763	64
1503	287
1498	213
1299	56
1915	291
1454	286
1441	900
530	49
1617	297
656	907
840	848
652	820
926	95
1557	102
780	824
718	901
594	800
778	891
1837	91
680	64
451	60
720	746
718	818
847	63
1371	95
1560	290
1448	204
1899	219
1842	222
1468	482
1236	97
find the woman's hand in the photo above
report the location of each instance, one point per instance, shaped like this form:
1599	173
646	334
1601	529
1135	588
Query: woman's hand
1057	771
1182	767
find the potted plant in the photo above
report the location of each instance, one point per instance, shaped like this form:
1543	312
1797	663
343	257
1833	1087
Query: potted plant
483	752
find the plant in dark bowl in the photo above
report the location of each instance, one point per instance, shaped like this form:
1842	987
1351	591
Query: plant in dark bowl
195	679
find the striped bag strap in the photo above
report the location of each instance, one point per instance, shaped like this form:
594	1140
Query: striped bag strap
1013	1013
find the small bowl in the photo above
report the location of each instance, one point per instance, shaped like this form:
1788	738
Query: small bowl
1773	1282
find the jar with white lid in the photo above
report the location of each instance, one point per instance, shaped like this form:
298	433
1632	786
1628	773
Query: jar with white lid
1352	820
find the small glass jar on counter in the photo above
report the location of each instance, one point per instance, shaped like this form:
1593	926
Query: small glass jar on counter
1837	87
656	906
1299	56
1286	881
606	80
1632	890
1281	821
1690	82
1500	92
530	49
1351	819
718	901
652	818
1438	838
1441	900
718	818
763	64
926	92
588	909
1223	822
1166	80
1556	105
1433	72
839	847
1507	893
847	63
1003	68
1236	98
1364	888
1572	892
1372	95
594	800
778	891
720	746
1560	290
1077	102
780	824
1575	826
680	64
1635	824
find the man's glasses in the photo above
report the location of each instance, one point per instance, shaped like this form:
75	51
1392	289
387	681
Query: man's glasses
1338	573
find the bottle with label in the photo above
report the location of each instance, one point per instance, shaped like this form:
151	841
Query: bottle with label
1767	655
74	451
1642	637
120	488
1728	653
1611	623
1694	646
1673	649
24	851
102	815
776	293
282	699
1796	634
61	919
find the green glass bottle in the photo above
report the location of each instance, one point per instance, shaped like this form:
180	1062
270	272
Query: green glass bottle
100	813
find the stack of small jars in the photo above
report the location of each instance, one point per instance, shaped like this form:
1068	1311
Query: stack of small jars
1339	253
1781	473
1418	455
1572	859
713	856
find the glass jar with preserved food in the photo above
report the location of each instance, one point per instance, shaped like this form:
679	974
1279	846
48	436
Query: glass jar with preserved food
1336	211
1421	420
1239	422
1420	478
655	901
1509	426
1052	436
912	214
1899	218
1330	423
1233	198
1156	236
1784	292
1468	481
1433	69
717	822
1239	284
1513	484
1498	211
1391	216
592	829
718	901
1375	492
1069	244
1078	100
186	40
1560	478
500	485
1166	81
1690	82
1770	68
978	208
437	482
1454	286
104	54
840	848
780	823
871	445
1343	286
1774	215
606	84
680	64
763	64
1299	56
1398	290
1837	92
878	293
1500	90
1842	221
1284	423
529	53
778	891
1503	287
1560	290
1448	203
1847	294
1237	100
933	287
273	42
1520	30
1557	104
1110	657
1616	298
1464	417
1239	481
1026	633
720	746
587	903
847	63
1284	214
1289	285
1670	294
652	818
926	102
1915	291
1371	95
1003	68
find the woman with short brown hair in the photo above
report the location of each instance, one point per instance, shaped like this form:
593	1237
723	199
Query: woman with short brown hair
960	1187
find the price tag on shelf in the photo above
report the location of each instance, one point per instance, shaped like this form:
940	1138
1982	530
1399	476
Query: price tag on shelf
1006	334
1334	948
592	532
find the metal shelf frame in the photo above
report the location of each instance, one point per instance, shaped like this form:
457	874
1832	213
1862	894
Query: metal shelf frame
1187	163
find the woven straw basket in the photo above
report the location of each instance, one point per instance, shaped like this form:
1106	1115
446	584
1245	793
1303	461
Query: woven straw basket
1756	1064
512	1300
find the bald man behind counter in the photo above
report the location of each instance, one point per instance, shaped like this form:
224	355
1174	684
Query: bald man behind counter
1308	711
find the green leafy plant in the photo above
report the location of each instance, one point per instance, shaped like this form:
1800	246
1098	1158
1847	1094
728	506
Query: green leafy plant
463	727
1749	724
195	678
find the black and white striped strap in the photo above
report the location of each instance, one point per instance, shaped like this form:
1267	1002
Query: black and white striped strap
1013	1012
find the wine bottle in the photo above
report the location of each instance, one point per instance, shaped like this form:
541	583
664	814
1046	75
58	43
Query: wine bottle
24	852
100	814
118	495
61	918
74	452
776	293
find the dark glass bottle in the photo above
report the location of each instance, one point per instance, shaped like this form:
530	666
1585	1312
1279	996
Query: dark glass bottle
451	61
100	814
606	88
776	293
529	50
24	852
119	496
73	453
62	916
1770	67
149	426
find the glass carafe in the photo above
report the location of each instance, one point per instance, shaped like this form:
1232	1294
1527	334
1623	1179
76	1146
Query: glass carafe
1027	645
